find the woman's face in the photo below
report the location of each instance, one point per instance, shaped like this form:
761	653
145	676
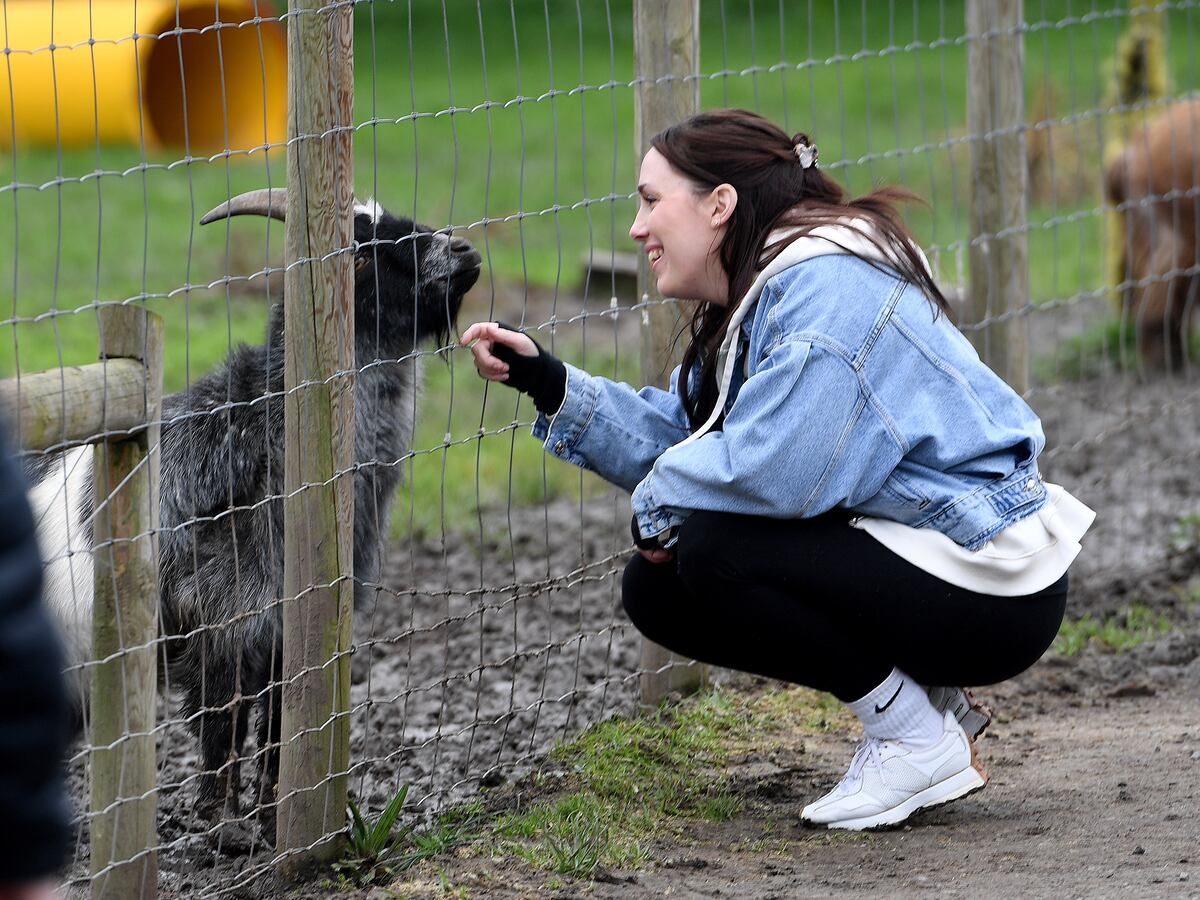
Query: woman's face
680	229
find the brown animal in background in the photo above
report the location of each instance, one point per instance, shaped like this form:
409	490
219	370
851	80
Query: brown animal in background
1157	177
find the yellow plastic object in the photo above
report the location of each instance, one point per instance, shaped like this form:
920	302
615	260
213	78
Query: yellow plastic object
124	71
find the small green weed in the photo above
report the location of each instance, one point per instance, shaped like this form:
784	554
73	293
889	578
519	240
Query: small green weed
574	835
378	850
447	887
372	847
456	827
1188	593
1185	537
1118	632
572	844
720	806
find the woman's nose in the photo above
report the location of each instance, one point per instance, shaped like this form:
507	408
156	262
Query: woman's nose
637	230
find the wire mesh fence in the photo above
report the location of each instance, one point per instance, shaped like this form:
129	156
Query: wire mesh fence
486	620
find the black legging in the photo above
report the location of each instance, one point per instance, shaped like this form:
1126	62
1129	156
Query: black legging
819	603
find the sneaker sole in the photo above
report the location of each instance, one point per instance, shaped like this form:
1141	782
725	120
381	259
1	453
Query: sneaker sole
968	781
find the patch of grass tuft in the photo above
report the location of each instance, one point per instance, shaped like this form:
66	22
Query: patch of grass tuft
601	799
719	807
1120	631
377	849
809	710
453	829
1106	347
574	838
373	846
1185	537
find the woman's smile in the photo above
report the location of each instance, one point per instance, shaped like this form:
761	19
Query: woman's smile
675	210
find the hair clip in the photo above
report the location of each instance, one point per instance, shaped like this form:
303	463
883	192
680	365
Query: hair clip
807	154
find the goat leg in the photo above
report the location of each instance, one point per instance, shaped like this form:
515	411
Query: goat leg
270	718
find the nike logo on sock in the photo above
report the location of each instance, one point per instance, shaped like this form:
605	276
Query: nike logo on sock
879	709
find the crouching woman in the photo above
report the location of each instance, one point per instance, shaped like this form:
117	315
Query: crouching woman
835	491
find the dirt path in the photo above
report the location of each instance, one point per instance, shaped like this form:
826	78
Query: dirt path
1099	800
1091	796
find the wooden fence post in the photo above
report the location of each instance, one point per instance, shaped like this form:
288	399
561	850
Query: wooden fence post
998	252
125	625
319	437
666	49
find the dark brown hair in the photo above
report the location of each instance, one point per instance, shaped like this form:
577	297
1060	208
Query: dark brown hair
741	148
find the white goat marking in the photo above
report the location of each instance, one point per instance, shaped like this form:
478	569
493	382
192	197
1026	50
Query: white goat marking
371	209
66	551
435	262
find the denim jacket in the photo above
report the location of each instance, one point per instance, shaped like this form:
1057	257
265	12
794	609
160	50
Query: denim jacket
844	391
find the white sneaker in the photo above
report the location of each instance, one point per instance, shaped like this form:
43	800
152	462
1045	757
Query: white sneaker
972	715
889	781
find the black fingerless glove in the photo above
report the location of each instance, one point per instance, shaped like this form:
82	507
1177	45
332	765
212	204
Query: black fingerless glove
542	377
648	543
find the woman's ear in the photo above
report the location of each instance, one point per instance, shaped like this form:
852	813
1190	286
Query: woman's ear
724	200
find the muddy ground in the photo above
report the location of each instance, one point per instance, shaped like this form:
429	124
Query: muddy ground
1095	759
480	654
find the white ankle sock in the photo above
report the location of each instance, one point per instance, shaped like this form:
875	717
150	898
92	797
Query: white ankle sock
899	709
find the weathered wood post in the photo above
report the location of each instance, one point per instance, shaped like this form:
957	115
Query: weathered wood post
666	48
999	282
116	404
319	436
125	622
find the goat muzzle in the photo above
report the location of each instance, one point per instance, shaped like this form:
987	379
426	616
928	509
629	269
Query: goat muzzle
466	257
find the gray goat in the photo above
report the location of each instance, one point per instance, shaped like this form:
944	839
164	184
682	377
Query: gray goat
222	458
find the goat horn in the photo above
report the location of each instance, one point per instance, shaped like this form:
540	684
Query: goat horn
270	202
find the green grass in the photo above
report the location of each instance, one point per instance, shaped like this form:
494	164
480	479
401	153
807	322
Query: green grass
602	798
1104	347
1185	536
438	138
76	238
373	845
1120	631
377	850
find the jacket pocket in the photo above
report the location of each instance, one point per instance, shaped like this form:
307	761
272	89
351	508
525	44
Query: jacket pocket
905	492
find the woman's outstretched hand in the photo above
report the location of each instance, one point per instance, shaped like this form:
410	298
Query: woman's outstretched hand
504	354
482	338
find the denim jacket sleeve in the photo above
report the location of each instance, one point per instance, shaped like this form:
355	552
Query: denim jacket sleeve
612	429
801	438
